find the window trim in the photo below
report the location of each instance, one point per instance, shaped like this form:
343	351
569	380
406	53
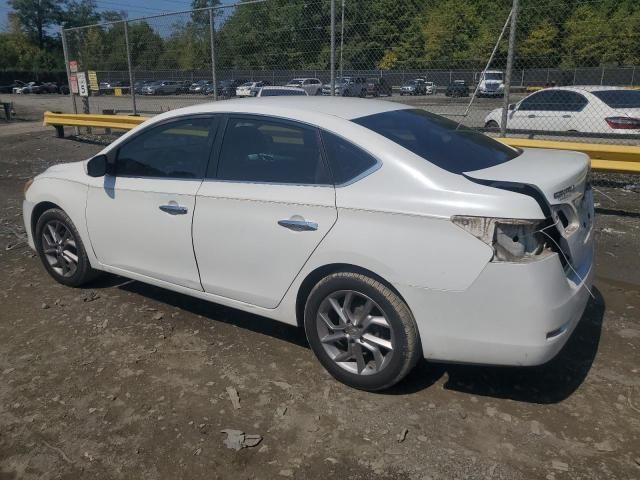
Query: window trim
115	153
213	170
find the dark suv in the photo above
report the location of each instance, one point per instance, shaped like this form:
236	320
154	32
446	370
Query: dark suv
378	86
226	88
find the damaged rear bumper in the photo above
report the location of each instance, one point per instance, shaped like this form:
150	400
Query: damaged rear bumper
513	314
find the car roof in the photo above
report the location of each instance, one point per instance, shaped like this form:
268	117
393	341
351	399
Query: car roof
586	88
317	109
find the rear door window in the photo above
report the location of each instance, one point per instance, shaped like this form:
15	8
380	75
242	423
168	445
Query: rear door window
439	140
271	151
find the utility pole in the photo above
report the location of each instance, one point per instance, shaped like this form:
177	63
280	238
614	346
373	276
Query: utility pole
507	79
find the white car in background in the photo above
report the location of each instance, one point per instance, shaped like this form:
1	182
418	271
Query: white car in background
268	91
430	87
388	233
312	86
491	84
248	89
574	109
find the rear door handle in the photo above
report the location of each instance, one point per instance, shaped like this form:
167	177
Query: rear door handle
531	116
174	209
298	225
566	116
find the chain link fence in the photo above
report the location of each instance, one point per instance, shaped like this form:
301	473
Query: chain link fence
573	73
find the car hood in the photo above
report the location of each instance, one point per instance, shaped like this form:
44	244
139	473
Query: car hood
558	174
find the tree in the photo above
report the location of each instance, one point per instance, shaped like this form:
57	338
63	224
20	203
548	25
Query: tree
79	13
35	16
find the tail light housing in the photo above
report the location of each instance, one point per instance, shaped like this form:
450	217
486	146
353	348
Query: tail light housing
623	123
512	239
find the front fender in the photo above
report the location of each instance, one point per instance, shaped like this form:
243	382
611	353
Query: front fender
68	195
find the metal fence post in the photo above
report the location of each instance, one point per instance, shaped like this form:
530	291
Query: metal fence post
65	52
131	79
342	40
507	77
213	54
333	47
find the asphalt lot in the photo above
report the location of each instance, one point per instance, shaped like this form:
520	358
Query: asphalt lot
123	380
31	107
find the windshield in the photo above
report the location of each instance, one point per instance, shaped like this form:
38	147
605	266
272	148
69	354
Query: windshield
247	84
156	83
439	140
493	76
410	83
620	98
295	82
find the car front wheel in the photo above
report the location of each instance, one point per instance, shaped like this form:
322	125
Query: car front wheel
361	331
61	250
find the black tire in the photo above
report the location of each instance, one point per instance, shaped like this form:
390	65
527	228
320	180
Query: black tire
83	272
403	333
492	125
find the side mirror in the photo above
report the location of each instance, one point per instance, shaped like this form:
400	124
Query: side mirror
512	106
98	166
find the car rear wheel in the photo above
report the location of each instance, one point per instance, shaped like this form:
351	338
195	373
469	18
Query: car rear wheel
361	331
61	250
492	125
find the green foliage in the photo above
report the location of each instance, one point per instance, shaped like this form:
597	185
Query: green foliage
295	35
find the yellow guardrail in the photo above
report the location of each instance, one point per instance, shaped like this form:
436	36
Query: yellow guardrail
120	122
604	157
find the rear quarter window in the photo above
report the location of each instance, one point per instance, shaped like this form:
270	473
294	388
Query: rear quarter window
439	140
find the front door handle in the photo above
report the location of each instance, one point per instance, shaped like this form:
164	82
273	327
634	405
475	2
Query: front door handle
298	225
566	116
174	209
531	116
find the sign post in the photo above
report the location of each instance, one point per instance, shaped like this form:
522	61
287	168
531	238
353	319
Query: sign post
83	90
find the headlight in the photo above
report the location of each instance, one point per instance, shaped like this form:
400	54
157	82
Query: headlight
512	239
27	184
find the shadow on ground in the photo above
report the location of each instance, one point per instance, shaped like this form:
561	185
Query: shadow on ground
550	383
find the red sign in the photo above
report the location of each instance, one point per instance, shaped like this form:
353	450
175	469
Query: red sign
73	66
73	84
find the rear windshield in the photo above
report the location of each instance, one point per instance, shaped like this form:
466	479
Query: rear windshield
620	98
439	140
280	93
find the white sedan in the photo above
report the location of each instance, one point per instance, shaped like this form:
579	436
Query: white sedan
574	109
384	231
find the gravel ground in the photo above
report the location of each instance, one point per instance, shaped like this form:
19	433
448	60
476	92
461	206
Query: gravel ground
124	380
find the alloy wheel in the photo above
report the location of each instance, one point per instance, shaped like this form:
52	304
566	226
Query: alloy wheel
60	248
355	332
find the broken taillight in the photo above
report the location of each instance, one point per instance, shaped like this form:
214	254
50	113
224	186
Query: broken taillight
624	123
512	239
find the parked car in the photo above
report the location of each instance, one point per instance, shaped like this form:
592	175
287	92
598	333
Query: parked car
226	88
388	233
574	109
458	88
17	84
161	87
491	84
183	86
377	86
414	87
348	87
200	86
250	89
31	87
140	84
312	86
268	91
430	88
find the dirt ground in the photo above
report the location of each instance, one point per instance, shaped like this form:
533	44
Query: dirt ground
123	380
